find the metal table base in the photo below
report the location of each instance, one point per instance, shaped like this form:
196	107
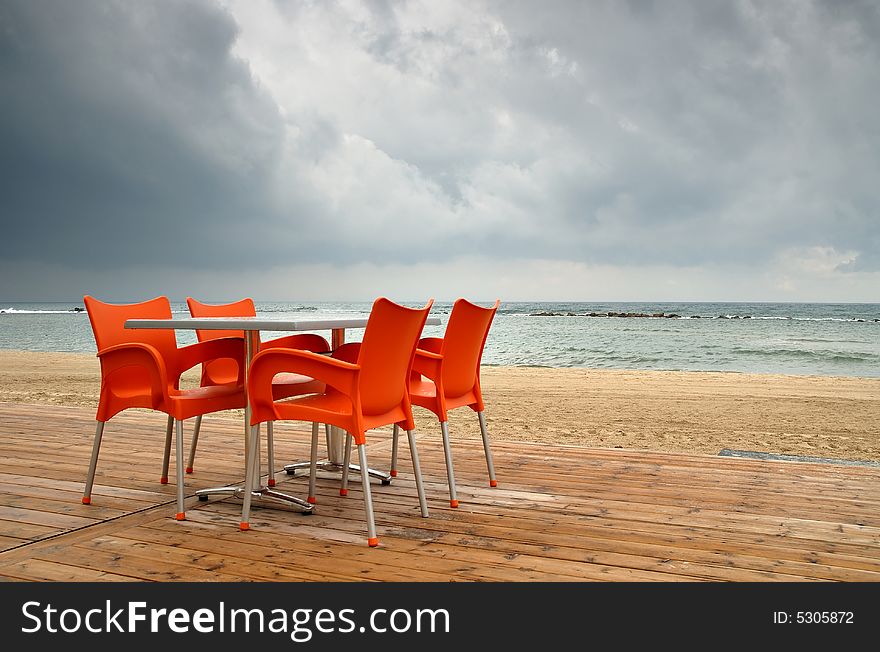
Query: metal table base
261	492
336	467
335	438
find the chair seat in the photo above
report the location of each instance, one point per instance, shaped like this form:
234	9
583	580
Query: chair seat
197	394
132	392
422	389
211	391
289	384
329	402
188	403
424	394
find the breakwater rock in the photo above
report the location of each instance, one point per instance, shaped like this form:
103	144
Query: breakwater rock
655	315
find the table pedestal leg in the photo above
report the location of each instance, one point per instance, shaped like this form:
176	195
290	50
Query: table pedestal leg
252	341
335	441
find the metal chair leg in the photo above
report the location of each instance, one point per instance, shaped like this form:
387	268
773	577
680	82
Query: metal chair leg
167	456
178	463
492	481
197	428
327	437
249	479
394	438
343	491
417	471
372	539
450	474
93	463
270	446
313	464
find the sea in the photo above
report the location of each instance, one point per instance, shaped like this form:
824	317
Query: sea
828	339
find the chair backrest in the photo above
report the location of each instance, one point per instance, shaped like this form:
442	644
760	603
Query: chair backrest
221	371
108	325
463	344
243	308
387	352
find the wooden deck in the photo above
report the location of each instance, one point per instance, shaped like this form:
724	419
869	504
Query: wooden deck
559	513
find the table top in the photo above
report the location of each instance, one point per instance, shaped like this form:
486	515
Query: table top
256	323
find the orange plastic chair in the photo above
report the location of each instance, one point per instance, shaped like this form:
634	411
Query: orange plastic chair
142	368
358	397
446	375
223	372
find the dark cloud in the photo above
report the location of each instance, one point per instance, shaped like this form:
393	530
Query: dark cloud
130	134
246	135
748	124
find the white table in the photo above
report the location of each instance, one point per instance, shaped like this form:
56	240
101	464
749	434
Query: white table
252	327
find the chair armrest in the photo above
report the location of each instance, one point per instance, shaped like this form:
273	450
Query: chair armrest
348	352
214	349
302	341
432	344
428	364
132	354
340	375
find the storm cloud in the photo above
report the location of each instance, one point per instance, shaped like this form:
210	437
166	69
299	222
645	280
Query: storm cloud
593	144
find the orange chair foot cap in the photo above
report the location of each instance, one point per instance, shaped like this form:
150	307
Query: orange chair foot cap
393	473
189	469
311	500
181	516
271	482
244	526
373	542
453	503
493	483
87	500
163	479
343	492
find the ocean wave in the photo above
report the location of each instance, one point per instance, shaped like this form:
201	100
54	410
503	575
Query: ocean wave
837	319
607	359
18	311
792	318
822	354
287	309
674	316
826	340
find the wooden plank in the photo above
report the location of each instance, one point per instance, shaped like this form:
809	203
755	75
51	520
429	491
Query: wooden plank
38	570
47	538
134	495
7	542
714	472
36	517
165	555
27	531
59	507
68	500
133	566
675	500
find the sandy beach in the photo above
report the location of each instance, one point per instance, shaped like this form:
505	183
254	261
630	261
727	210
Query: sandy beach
698	412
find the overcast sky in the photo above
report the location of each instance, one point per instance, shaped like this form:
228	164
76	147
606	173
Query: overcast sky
526	150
